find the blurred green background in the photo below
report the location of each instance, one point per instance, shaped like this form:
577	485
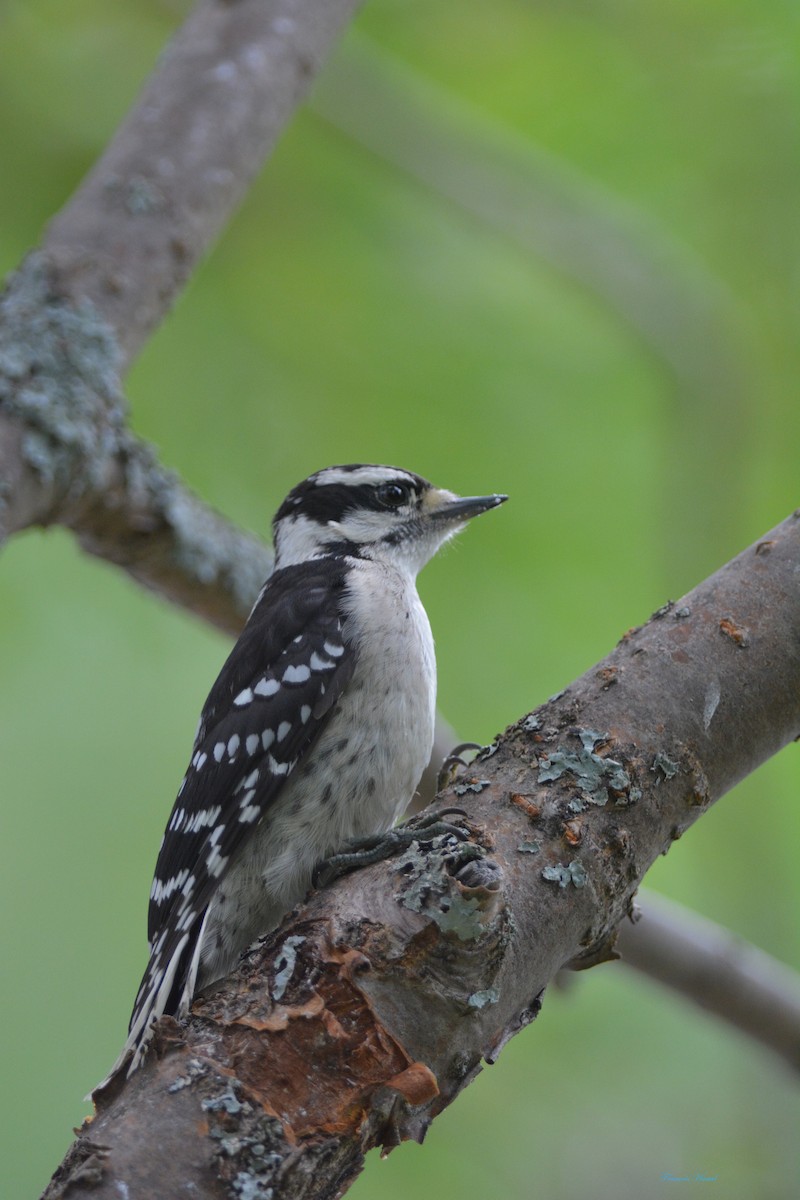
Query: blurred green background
604	324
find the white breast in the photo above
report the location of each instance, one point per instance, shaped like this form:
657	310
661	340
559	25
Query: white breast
358	778
392	697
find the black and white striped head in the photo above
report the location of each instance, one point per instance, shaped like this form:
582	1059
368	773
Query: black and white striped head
370	512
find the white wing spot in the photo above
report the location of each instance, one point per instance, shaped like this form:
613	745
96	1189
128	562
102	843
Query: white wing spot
277	768
317	663
177	819
201	761
267	687
244	697
332	650
233	745
267	738
186	920
161	891
297	674
206	816
252	779
249	812
219	751
284	728
252	743
216	862
305	713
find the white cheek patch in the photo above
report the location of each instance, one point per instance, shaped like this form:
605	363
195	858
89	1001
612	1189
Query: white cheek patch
362	526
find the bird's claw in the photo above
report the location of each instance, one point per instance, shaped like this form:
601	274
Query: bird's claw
450	765
363	852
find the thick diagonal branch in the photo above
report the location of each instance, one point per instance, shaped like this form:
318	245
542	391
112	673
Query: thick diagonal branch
366	1013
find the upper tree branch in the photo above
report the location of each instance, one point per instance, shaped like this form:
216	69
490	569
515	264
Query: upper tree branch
109	268
182	160
365	1014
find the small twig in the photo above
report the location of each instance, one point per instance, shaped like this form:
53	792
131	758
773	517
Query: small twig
720	972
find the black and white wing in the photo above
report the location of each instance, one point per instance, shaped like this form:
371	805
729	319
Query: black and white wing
272	699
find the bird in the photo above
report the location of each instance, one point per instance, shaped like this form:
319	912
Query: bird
315	733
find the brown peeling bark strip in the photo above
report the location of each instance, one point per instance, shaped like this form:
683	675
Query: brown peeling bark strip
420	962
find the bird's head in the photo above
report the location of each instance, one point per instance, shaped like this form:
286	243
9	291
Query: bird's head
376	512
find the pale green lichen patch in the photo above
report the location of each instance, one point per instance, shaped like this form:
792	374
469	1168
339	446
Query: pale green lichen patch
430	890
564	875
195	1069
665	766
286	964
59	371
598	778
250	1144
482	999
474	785
227	1102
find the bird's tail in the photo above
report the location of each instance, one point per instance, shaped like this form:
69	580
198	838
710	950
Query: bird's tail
167	987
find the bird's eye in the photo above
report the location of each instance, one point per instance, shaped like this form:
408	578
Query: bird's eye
392	495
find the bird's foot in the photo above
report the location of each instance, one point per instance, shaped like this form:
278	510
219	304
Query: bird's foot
363	852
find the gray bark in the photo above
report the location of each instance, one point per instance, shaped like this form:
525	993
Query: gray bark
109	268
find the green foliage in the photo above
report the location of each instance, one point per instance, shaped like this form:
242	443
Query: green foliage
352	313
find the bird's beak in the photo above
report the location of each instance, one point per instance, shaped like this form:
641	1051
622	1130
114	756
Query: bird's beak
462	508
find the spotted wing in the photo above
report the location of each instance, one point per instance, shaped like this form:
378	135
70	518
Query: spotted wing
272	699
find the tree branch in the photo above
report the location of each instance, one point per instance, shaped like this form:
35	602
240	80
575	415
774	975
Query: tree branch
181	162
359	1020
109	268
718	971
